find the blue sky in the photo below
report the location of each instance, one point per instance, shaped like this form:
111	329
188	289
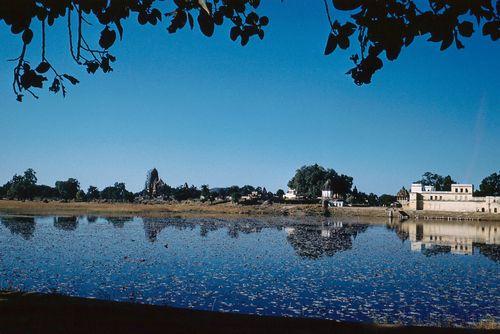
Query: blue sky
206	110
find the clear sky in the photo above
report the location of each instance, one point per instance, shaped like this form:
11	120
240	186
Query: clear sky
206	110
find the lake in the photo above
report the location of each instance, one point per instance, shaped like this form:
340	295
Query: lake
427	272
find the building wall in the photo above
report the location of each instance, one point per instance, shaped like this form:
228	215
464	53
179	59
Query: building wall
459	199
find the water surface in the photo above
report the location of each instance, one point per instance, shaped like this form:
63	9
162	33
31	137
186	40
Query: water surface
411	273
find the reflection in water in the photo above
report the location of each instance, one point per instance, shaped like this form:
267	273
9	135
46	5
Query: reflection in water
152	228
118	222
270	267
23	226
66	223
436	237
313	242
92	219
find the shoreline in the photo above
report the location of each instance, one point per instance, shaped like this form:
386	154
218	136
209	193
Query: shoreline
198	209
34	312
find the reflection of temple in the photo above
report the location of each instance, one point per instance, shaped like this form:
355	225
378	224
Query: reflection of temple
152	228
313	242
438	237
23	226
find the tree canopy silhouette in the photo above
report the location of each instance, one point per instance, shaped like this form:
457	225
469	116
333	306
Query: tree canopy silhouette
374	26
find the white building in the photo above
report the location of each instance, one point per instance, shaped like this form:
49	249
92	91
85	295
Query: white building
337	203
291	194
460	199
327	191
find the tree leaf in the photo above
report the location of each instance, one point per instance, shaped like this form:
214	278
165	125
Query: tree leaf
71	79
343	42
27	36
346	4
43	67
235	32
206	24
466	28
331	44
108	38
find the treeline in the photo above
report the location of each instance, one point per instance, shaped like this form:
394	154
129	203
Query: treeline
309	181
25	187
489	186
233	193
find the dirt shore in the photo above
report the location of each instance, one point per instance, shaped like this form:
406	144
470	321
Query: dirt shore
36	313
175	209
187	209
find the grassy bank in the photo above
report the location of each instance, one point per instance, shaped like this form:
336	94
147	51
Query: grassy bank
36	313
207	210
169	209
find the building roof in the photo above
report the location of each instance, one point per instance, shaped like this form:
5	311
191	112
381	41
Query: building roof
402	193
328	185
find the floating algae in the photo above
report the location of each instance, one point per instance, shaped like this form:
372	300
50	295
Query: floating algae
324	269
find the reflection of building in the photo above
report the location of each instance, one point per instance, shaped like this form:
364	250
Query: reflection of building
451	237
459	199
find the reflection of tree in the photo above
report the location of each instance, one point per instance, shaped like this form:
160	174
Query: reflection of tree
91	219
207	227
118	222
23	226
66	223
314	242
492	252
153	227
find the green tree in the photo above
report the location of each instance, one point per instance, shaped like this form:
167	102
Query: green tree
387	200
280	193
246	190
80	196
45	192
205	192
308	181
23	187
440	183
92	193
68	189
235	197
4	189
117	192
490	185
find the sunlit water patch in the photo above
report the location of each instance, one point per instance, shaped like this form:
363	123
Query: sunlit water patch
411	273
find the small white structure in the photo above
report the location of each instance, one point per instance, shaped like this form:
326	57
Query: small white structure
327	191
337	203
291	194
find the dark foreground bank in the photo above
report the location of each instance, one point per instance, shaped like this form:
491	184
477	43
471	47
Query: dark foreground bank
36	313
